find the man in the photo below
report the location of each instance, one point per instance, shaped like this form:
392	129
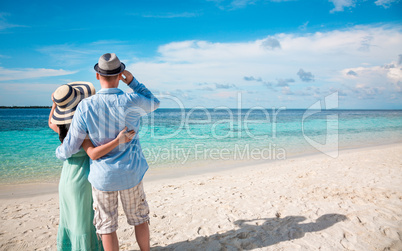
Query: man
102	117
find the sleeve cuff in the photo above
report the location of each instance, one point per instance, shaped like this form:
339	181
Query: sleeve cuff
133	83
59	155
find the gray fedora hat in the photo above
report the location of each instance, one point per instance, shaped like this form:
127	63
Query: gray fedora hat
109	65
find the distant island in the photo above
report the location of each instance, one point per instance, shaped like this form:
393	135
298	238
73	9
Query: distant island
23	107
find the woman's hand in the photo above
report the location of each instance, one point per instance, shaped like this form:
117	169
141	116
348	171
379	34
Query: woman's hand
95	153
125	136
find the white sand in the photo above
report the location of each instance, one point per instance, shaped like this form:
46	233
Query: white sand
353	202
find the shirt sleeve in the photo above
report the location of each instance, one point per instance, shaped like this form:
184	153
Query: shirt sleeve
142	97
75	136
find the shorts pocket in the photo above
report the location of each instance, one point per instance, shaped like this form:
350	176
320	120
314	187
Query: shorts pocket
97	219
143	206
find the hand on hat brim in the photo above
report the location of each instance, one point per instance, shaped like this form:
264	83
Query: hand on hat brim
126	77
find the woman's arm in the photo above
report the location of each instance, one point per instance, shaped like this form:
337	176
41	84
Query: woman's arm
52	126
99	151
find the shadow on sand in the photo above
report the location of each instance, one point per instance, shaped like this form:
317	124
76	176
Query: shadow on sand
250	235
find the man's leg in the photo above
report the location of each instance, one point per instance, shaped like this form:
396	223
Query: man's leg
137	212
110	242
142	236
106	217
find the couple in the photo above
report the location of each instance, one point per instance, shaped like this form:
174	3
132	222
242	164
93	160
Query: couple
99	125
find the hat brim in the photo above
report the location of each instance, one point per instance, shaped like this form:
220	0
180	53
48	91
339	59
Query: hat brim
110	72
63	114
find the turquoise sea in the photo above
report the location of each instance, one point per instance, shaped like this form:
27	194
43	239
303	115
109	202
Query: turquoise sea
175	138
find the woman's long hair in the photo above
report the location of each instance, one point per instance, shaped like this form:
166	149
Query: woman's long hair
63	129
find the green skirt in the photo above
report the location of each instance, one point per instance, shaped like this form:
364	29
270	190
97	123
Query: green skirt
76	230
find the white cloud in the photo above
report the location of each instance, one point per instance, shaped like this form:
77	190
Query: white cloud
286	90
385	3
66	55
171	15
375	73
329	55
232	4
203	61
4	24
85	55
32	93
303	27
27	73
242	3
29	88
238	4
341	4
368	82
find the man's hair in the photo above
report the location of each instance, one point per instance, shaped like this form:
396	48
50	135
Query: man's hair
109	78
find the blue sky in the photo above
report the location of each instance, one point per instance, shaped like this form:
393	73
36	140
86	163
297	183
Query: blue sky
210	52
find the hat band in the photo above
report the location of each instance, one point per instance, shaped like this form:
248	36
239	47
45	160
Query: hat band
115	71
66	112
79	87
62	118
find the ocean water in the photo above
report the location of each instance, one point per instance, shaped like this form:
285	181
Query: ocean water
175	138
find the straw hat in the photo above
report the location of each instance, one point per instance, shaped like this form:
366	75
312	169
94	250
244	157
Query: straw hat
67	98
109	65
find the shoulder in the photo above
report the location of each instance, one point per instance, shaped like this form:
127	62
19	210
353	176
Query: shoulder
131	95
85	105
87	102
90	99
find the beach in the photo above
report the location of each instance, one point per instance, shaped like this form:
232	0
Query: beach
352	202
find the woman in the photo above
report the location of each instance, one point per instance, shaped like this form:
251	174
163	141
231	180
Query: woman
76	230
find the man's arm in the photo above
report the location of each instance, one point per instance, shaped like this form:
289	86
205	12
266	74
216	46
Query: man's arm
145	100
75	136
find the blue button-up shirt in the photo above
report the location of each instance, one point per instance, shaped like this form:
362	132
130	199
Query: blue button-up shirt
102	117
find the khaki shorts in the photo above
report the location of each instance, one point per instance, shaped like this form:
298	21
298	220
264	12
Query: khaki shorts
105	206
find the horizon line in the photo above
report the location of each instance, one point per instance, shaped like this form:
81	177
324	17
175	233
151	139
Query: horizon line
210	108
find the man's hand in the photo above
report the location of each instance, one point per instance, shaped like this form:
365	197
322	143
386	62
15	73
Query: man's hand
127	77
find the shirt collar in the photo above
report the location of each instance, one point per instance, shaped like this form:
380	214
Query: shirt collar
109	91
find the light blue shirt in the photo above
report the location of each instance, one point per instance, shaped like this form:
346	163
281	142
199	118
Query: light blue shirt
101	117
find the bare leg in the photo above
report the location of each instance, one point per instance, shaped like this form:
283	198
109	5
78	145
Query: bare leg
142	236
110	242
